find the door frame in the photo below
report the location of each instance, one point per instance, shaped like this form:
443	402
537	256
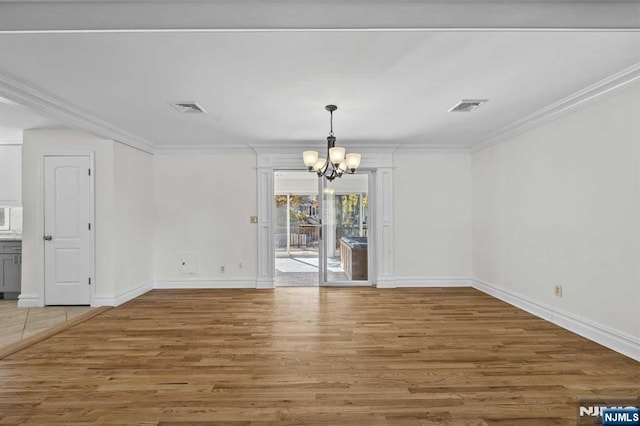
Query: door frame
379	161
41	216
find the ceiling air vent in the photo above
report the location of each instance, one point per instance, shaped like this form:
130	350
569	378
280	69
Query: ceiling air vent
468	105
188	107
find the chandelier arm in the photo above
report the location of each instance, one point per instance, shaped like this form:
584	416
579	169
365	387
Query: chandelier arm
323	170
326	166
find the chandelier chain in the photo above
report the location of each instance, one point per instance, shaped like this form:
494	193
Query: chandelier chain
331	125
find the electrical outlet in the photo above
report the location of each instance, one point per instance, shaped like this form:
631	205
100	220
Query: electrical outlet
557	290
222	269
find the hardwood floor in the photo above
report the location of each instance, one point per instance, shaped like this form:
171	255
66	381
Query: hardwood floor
331	356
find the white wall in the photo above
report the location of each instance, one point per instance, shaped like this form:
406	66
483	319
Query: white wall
560	204
202	205
432	215
15	224
123	213
35	144
133	202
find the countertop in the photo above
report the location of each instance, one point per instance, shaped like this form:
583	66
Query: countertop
10	236
355	242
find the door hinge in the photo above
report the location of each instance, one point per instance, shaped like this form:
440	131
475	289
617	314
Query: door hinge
89	172
89	281
89	226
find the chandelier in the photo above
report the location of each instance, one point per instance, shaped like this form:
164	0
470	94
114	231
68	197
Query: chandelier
336	163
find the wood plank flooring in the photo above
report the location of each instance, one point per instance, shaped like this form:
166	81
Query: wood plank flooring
330	356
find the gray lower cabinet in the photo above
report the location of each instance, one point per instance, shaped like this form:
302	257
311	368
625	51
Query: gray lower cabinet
10	266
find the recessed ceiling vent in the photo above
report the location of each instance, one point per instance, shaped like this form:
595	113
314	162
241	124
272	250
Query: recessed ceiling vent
188	107
468	105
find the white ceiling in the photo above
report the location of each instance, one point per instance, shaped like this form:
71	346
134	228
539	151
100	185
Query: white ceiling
270	87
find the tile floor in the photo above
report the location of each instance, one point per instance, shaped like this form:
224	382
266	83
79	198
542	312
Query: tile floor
21	323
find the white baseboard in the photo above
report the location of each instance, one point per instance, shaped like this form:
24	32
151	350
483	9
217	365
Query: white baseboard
265	284
132	294
202	284
416	281
29	301
386	282
613	339
104	300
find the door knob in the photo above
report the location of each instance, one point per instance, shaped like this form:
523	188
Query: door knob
47	238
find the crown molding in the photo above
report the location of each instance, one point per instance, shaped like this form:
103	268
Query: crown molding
292	160
297	147
432	149
202	149
50	106
590	95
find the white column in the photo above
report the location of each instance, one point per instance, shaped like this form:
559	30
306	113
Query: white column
266	248
384	227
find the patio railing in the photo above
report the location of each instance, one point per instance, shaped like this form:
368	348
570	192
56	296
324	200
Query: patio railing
306	237
300	237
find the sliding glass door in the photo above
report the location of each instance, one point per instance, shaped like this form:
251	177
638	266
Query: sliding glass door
346	231
321	230
297	229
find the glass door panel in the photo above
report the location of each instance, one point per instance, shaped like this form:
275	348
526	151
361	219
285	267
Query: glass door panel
297	229
345	230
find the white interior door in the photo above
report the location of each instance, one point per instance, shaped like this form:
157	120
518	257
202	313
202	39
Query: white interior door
68	257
